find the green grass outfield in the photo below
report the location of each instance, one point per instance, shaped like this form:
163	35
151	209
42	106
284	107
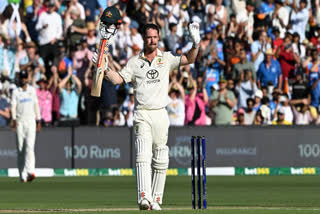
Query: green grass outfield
225	195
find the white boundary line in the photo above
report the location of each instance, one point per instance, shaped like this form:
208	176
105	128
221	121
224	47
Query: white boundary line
168	209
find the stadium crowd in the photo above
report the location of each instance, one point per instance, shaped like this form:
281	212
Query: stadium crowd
258	61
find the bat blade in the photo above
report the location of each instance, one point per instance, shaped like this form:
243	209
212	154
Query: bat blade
99	71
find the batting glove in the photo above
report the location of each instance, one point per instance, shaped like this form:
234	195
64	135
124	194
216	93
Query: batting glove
194	33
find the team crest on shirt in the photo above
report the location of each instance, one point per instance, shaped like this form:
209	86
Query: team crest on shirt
159	63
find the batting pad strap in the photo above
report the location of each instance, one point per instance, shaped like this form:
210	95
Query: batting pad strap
160	160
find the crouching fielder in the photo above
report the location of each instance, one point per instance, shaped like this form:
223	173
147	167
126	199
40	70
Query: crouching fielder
25	113
149	72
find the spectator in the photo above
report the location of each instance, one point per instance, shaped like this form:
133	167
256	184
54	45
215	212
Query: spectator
303	115
258	118
4	109
246	88
128	108
257	99
267	6
90	9
8	56
45	101
49	26
240	117
242	66
269	71
212	71
77	30
91	37
286	108
300	89
135	37
118	117
249	114
32	60
123	41
298	47
219	13
32	18
81	58
53	87
299	18
108	119
76	4
172	39
277	41
315	39
70	89
176	107
222	103
234	57
208	44
312	66
233	26
246	21
288	59
266	111
258	48
280	17
156	16
280	118
195	103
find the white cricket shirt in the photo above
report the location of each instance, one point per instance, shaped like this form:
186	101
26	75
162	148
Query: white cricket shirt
150	80
54	29
24	104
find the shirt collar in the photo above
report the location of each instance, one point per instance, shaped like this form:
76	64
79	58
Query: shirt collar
159	54
27	89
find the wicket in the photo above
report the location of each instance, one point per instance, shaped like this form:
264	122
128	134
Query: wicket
199	151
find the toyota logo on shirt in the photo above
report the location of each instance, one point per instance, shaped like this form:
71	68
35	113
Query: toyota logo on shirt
152	74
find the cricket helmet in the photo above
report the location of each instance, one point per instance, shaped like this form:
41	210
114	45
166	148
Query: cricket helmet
110	21
111	15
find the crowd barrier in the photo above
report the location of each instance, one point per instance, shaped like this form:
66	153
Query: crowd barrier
229	146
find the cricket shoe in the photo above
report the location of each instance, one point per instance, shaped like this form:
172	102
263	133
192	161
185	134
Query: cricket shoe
155	206
31	177
145	205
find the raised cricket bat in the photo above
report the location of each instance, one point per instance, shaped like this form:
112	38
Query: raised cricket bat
100	65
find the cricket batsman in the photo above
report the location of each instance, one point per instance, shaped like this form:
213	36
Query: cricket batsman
149	73
26	116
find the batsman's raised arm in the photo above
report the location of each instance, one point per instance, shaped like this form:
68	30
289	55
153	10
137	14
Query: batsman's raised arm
114	77
111	75
191	56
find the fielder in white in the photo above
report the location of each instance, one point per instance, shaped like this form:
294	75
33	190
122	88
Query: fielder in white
25	113
149	72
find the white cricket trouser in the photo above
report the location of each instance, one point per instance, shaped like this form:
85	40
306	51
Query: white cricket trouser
26	136
152	157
